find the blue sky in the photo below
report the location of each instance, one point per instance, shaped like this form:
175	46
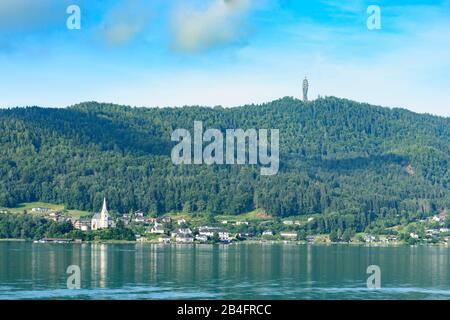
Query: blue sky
224	52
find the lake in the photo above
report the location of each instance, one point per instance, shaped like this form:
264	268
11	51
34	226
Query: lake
243	271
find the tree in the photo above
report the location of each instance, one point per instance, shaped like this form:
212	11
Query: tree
301	235
346	236
334	236
215	238
351	180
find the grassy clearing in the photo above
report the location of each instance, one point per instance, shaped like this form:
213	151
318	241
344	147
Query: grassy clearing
249	216
27	206
200	218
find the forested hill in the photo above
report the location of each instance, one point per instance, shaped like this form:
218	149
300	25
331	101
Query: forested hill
337	157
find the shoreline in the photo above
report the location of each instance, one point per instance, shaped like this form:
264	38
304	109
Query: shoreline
245	242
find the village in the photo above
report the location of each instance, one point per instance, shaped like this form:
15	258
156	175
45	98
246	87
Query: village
187	230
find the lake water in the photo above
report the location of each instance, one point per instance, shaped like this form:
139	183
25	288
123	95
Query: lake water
244	271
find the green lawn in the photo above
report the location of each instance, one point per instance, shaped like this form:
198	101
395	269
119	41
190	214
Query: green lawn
53	208
249	216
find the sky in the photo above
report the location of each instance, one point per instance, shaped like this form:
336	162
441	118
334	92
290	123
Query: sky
224	52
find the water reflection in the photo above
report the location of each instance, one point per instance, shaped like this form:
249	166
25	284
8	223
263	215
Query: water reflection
235	271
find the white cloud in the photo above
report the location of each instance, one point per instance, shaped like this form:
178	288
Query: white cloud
222	22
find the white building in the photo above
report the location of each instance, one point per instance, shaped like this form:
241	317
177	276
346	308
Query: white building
163	239
157	229
436	218
40	210
102	220
223	234
201	238
185	231
289	235
184	238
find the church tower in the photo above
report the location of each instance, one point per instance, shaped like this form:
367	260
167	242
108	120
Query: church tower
305	89
104	209
102	220
104	215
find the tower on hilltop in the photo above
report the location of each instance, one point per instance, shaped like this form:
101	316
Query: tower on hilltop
305	89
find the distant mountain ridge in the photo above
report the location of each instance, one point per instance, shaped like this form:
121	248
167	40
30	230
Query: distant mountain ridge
338	157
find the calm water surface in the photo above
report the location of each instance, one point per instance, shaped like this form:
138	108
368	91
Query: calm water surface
248	271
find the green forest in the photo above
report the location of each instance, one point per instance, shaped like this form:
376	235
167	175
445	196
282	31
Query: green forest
352	163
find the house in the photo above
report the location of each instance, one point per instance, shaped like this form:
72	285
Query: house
157	229
206	231
201	238
436	219
444	230
82	224
85	224
55	216
185	231
289	235
224	222
184	238
125	218
76	224
223	233
139	214
393	238
288	222
310	219
239	223
102	219
139	220
166	220
40	210
163	239
150	221
431	232
414	235
267	233
243	236
369	238
181	221
310	238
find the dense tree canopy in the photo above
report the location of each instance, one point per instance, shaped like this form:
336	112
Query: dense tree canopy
351	162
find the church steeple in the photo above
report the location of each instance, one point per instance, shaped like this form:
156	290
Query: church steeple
104	209
102	220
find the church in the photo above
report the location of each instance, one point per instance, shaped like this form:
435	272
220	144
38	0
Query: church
102	220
